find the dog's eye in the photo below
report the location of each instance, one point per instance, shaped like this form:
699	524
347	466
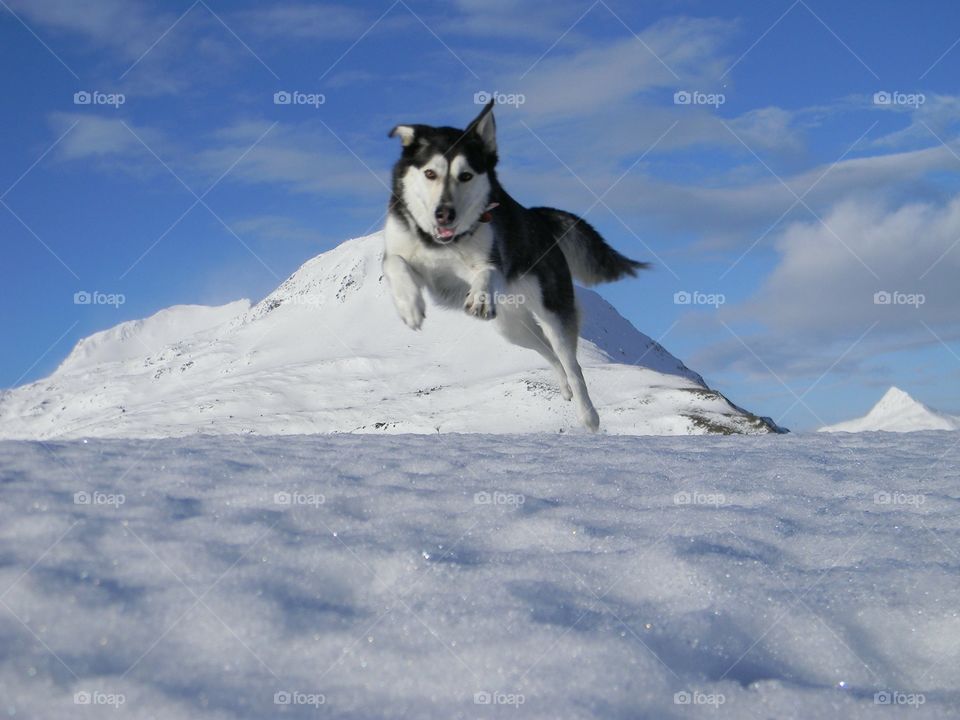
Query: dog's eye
465	177
431	175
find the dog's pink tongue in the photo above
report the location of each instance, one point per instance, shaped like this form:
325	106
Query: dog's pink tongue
445	232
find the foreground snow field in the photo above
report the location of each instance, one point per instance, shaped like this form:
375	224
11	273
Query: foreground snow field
481	576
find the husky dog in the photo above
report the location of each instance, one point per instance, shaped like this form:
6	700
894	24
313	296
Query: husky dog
453	231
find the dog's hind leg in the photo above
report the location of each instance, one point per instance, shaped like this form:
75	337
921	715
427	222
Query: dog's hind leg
563	337
522	329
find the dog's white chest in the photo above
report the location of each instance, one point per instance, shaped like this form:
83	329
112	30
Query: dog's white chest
441	263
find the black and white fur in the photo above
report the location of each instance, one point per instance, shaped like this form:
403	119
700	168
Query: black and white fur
442	236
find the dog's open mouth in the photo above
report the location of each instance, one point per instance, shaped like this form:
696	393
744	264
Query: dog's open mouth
444	233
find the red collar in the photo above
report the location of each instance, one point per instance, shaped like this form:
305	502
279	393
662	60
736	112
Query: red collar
487	217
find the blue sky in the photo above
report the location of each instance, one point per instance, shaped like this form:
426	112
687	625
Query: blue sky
781	198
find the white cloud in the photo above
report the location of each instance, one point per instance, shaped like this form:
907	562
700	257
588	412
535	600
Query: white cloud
938	116
542	22
731	209
822	290
98	137
276	228
676	54
300	21
769	128
120	24
150	52
820	298
304	158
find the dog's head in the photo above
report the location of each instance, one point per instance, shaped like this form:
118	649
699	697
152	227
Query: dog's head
444	176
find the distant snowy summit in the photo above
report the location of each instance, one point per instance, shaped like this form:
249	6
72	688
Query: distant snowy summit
898	412
327	353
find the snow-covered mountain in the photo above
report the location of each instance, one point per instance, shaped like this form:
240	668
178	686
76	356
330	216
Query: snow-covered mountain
898	412
326	352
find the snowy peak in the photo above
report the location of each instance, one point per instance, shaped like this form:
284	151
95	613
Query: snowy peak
896	401
325	352
130	339
897	411
330	279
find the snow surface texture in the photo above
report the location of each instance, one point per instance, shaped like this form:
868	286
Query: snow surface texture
420	576
326	352
898	412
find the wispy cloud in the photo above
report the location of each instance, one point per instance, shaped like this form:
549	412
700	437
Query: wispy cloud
303	21
820	289
95	137
600	79
304	158
819	296
128	27
277	228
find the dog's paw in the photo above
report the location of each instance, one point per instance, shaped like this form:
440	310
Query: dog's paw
412	310
480	304
565	392
590	419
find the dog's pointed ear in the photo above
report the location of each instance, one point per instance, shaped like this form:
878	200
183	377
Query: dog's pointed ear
406	134
485	126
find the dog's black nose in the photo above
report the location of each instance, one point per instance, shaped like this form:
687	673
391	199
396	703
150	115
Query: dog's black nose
445	215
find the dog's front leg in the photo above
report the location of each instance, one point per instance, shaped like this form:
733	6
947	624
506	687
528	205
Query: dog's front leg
405	284
481	297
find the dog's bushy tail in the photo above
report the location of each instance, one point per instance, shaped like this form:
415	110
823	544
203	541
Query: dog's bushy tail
590	259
